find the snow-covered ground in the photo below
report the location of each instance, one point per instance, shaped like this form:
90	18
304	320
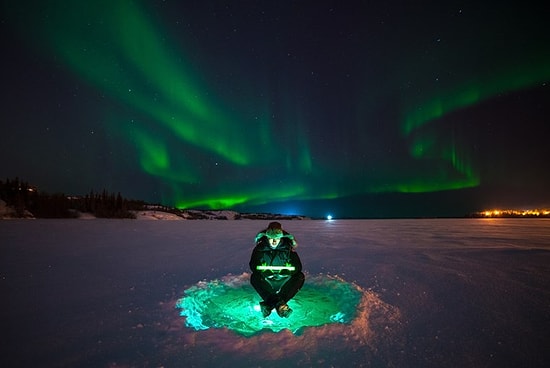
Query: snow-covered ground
156	212
102	293
7	212
4	210
157	215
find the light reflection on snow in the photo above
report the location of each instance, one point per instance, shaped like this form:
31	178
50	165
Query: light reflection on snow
374	326
233	304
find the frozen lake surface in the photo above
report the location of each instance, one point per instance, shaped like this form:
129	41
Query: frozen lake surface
445	292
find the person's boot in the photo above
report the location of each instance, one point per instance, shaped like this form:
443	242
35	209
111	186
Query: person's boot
283	310
266	309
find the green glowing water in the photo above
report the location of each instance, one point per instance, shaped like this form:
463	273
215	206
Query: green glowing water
233	304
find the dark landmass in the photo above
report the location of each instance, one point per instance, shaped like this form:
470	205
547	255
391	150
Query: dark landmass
19	199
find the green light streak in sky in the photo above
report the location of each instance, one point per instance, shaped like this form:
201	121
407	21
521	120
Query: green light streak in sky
452	166
474	92
156	160
155	156
127	57
425	144
133	63
123	52
254	196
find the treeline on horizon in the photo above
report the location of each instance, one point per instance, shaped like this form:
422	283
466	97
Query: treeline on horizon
24	198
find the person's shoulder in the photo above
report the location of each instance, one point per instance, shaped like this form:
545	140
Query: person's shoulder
286	242
262	244
291	237
259	236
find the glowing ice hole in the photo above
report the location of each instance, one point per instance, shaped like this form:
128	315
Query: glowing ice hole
233	304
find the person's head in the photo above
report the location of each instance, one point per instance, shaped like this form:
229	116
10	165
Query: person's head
274	234
275	225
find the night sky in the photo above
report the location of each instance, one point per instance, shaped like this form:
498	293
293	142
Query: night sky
354	108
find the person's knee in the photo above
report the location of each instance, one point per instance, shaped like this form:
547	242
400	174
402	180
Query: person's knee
255	278
297	280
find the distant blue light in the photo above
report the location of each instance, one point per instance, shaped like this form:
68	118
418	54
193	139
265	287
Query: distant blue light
329	217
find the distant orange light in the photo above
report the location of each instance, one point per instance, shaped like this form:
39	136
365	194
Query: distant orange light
515	213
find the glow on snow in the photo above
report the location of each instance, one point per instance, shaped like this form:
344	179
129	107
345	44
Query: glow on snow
233	304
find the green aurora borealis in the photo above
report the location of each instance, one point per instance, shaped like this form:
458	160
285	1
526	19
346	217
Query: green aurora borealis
213	127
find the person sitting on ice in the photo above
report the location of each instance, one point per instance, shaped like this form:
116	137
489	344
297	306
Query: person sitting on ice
276	269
